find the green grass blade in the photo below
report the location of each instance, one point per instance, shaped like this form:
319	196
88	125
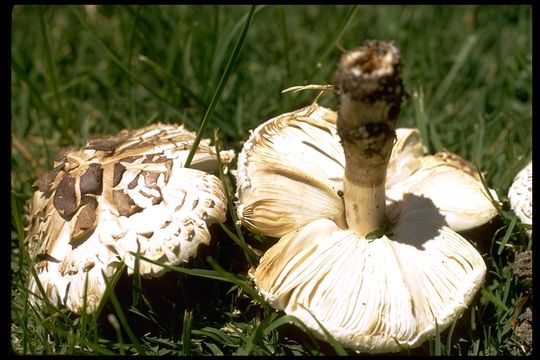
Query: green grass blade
337	36
205	273
289	319
449	337
216	335
285	38
421	118
479	144
132	75
40	104
506	236
460	61
495	300
64	123
494	202
217	94
186	333
120	313
111	283
250	255
161	71
116	326
258	334
99	350
235	279
506	290
327	336
473	318
36	94
218	60
84	316
131	94
137	285
239	238
214	349
16	219
437	351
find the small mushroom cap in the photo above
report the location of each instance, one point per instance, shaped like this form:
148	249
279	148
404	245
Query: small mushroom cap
374	296
117	195
290	172
451	182
520	194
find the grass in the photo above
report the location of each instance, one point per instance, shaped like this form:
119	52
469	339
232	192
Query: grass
79	71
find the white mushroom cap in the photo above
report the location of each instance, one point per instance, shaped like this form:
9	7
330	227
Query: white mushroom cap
376	296
373	296
121	194
290	172
520	194
451	182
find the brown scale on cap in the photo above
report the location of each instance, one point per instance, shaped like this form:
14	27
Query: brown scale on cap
133	183
150	179
458	162
86	218
65	197
45	181
107	144
61	158
92	180
118	172
124	203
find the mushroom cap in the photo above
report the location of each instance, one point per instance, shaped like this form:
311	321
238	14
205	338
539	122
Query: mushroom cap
520	194
117	195
290	172
375	296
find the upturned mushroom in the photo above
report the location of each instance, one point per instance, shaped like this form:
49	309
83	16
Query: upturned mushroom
116	197
520	196
367	220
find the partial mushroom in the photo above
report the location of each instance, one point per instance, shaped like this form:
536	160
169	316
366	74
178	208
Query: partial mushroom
116	196
520	196
367	220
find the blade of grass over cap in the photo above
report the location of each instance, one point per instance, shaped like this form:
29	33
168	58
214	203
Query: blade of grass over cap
291	319
205	273
328	337
242	283
228	70
239	238
122	318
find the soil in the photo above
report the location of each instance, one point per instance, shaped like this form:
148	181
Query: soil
522	268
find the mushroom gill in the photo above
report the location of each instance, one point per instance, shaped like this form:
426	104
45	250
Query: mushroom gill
117	196
367	220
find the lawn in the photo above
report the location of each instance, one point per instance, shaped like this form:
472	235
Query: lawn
79	71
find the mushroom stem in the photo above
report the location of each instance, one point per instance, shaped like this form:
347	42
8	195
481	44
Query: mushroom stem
368	83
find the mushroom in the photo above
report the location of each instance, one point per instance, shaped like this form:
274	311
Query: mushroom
520	195
117	196
367	221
